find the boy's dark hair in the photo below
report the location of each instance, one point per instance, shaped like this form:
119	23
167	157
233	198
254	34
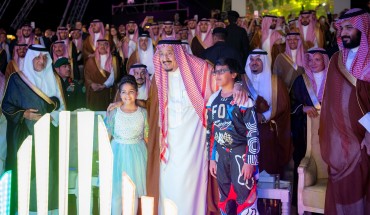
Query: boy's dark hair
232	64
130	79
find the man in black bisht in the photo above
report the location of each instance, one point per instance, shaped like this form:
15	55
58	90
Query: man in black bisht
238	38
220	48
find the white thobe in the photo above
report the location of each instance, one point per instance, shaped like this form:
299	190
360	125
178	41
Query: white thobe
184	178
142	93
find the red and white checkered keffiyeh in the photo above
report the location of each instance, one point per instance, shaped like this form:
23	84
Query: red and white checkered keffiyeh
147	78
309	72
197	77
275	35
66	40
15	52
360	20
208	40
22	39
300	48
65	53
102	30
310	36
108	63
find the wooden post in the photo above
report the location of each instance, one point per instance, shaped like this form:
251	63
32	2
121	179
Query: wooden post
85	125
42	145
105	169
147	205
128	195
64	134
24	156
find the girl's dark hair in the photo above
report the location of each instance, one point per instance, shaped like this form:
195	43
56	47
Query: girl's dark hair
128	79
232	64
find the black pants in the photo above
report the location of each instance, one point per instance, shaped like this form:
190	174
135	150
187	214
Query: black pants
236	194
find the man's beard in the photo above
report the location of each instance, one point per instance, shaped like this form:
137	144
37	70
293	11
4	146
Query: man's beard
305	23
272	27
354	42
131	31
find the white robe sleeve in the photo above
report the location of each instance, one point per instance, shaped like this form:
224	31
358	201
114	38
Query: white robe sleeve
110	81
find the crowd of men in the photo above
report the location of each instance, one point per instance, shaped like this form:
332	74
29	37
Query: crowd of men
81	68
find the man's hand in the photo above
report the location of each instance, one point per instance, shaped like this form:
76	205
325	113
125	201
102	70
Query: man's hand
247	171
310	111
213	168
240	94
114	105
261	105
366	143
95	86
31	114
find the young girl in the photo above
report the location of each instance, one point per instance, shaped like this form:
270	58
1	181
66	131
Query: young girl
128	127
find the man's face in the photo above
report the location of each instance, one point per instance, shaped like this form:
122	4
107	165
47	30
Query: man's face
95	26
131	28
139	74
192	24
103	47
2	37
292	25
143	43
219	24
78	25
177	28
167	58
38	32
58	49
26	31
21	51
122	29
76	34
203	26
273	23
39	62
63	34
351	37
184	35
256	64
316	62
292	42
168	29
64	71
305	19
155	29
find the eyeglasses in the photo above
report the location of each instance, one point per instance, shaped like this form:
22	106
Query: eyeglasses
220	72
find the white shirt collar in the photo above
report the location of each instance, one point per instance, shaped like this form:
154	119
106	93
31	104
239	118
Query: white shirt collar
354	50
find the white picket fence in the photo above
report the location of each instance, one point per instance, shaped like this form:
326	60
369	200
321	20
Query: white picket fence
85	136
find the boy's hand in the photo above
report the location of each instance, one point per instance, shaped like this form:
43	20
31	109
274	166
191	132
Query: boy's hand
213	168
247	171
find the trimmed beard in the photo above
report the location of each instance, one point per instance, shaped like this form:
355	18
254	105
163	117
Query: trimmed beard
354	41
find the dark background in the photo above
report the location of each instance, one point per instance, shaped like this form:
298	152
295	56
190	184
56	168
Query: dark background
49	13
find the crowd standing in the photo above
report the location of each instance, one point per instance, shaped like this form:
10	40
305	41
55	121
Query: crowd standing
196	110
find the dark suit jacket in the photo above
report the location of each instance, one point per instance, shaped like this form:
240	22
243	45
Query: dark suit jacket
238	39
221	49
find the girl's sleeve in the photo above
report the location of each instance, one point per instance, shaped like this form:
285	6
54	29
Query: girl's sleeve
109	121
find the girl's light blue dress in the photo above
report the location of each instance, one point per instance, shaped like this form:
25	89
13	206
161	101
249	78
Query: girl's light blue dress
129	150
